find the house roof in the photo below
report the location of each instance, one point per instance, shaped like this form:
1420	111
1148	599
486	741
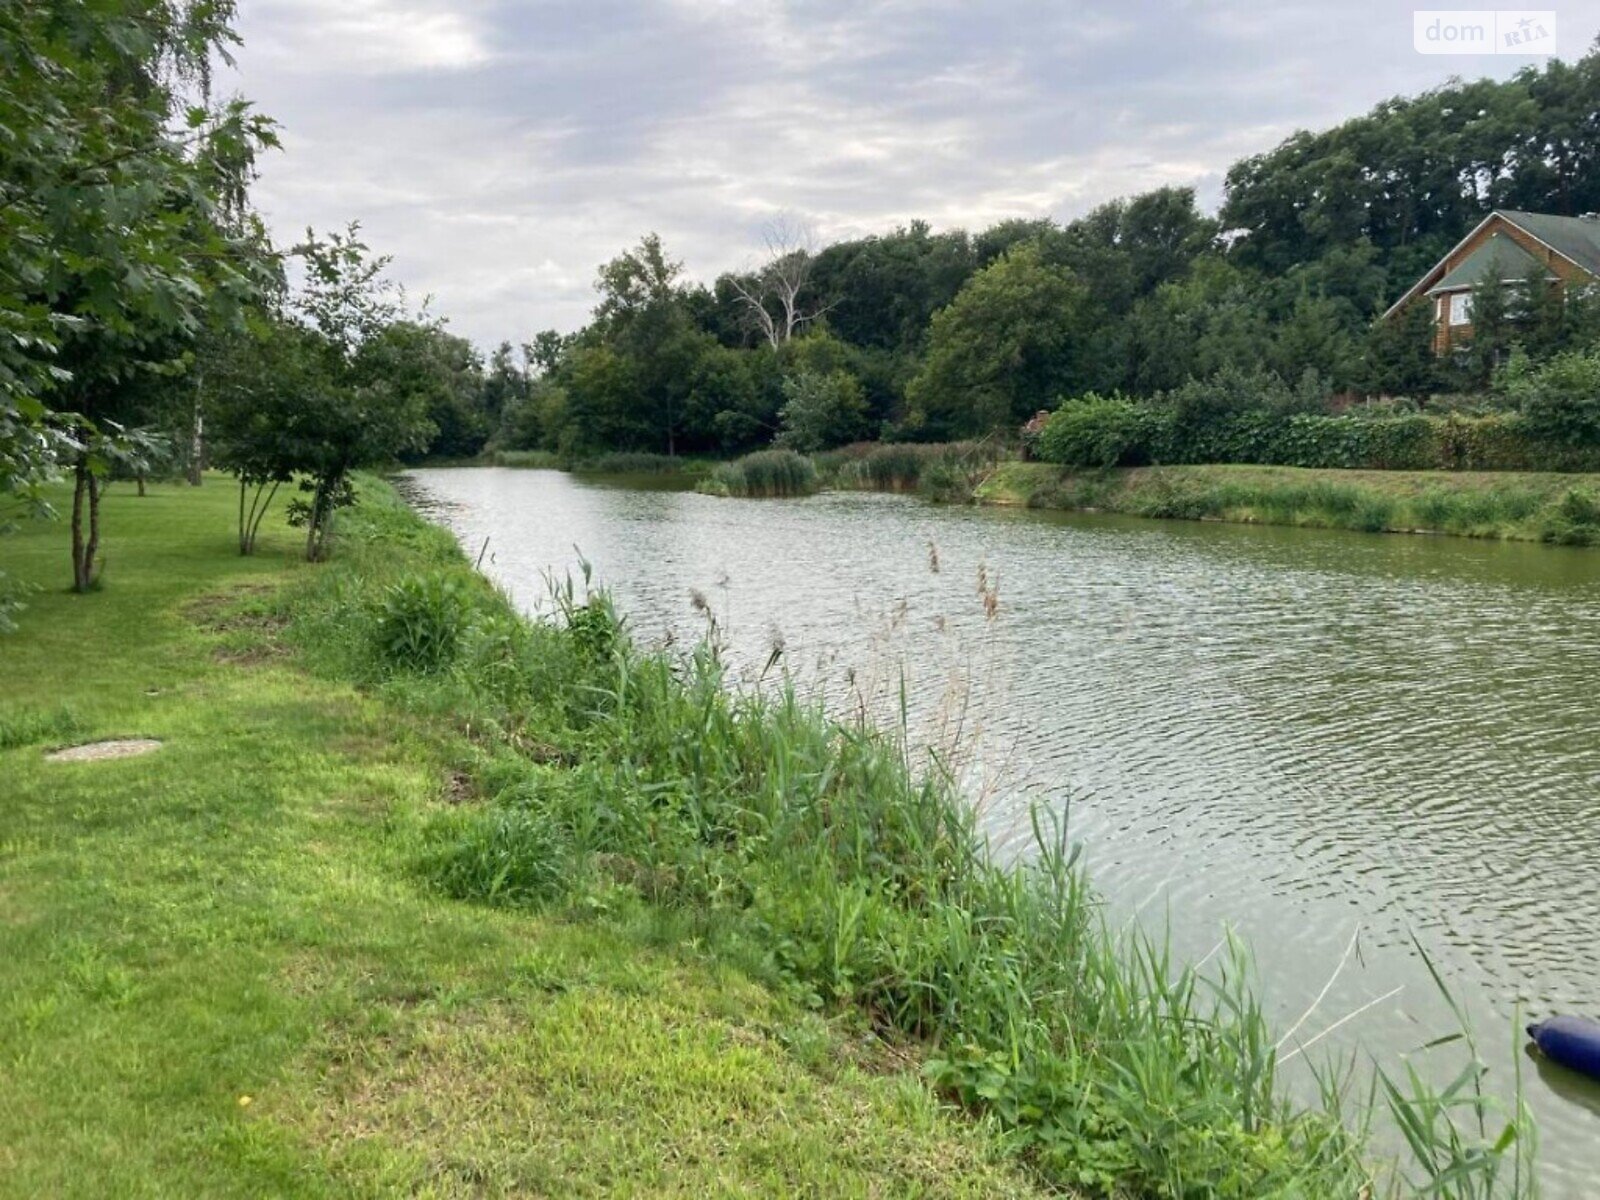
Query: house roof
1576	239
1499	256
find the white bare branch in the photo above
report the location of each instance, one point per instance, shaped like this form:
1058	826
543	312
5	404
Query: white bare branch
773	294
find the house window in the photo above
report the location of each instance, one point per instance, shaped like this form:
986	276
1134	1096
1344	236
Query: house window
1461	308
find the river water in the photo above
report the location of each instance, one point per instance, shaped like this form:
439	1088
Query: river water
1314	738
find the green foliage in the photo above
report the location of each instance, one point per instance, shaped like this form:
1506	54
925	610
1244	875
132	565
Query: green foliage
1008	342
1240	418
1559	399
541	459
36	726
766	473
1100	431
945	471
422	622
821	411
1576	520
634	462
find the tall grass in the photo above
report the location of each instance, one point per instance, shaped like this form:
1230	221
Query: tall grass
540	459
827	856
764	474
635	462
944	470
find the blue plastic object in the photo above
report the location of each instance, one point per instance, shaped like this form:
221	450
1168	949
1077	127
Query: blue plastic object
1571	1041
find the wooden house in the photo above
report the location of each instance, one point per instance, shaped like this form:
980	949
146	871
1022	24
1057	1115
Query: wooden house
1513	247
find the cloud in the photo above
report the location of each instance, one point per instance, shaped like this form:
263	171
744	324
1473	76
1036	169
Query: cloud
502	149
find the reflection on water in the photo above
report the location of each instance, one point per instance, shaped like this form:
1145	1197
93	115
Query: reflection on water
1297	733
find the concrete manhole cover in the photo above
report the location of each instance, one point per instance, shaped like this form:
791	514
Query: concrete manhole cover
95	751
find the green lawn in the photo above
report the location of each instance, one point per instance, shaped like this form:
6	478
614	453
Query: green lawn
218	978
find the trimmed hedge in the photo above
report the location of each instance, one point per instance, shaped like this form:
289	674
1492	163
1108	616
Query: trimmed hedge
1096	431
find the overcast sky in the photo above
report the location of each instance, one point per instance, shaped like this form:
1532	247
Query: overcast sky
501	150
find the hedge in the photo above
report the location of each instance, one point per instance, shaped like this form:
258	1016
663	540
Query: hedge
1099	431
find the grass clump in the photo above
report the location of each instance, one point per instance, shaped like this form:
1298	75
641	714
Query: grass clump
39	726
422	620
508	855
625	462
766	474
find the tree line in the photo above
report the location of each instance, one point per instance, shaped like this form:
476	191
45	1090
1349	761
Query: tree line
148	322
925	335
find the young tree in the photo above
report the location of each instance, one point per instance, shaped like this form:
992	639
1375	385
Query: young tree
820	411
261	383
364	411
1492	328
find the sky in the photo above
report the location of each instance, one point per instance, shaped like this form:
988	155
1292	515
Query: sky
501	150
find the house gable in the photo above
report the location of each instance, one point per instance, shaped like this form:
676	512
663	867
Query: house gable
1574	255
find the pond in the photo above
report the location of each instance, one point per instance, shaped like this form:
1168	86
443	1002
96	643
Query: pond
1314	738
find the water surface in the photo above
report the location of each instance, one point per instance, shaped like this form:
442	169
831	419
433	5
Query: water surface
1307	736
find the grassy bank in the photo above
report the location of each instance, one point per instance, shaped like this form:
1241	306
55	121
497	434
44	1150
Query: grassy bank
221	973
1524	506
419	896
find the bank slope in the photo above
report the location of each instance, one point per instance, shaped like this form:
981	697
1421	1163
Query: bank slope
219	975
1524	506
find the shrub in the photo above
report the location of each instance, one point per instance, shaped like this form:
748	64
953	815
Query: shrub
765	474
1099	431
421	622
1559	398
1576	520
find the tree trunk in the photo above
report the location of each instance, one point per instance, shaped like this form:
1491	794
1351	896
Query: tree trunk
85	546
197	442
315	533
139	479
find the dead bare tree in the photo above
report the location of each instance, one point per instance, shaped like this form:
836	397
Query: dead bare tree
772	295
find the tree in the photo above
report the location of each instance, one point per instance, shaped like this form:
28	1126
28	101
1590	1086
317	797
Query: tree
1002	351
1492	328
1398	357
257	392
363	410
820	411
634	281
772	297
119	192
443	372
1559	399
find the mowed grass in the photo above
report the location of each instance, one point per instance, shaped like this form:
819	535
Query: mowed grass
217	976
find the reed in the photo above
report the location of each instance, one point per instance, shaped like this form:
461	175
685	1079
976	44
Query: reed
765	474
537	459
945	470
